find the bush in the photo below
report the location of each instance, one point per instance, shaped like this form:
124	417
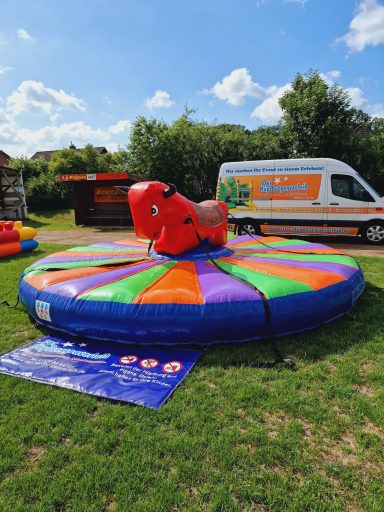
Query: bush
44	191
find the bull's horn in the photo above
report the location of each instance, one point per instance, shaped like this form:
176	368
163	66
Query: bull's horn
123	189
168	192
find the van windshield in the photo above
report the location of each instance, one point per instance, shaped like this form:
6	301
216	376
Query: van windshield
370	188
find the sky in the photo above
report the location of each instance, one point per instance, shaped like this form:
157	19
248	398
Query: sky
82	71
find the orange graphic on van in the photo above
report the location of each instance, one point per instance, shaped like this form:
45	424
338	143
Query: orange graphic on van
299	187
243	189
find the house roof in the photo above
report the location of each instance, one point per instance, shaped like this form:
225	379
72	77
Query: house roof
5	154
47	155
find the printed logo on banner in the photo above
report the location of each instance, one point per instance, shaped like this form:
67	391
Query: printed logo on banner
128	359
172	367
102	369
42	310
149	362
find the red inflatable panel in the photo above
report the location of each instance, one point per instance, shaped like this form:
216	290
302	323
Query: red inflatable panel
9	236
10	249
175	223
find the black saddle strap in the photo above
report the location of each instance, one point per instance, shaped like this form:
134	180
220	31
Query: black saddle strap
267	311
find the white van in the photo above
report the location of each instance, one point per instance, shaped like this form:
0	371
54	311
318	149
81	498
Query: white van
307	196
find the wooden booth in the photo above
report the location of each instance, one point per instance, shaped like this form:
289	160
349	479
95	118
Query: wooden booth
96	200
12	196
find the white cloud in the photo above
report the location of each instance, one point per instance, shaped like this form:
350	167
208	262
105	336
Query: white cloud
16	140
300	2
35	97
359	101
7	128
357	97
25	36
161	99
236	87
377	110
366	28
330	76
54	137
269	110
5	69
120	127
30	96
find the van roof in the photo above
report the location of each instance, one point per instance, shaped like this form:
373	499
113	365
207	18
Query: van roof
292	161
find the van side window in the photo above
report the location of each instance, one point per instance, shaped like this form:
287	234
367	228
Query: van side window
347	186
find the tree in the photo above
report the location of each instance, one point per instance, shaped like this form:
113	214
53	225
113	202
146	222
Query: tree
318	119
29	168
88	161
189	153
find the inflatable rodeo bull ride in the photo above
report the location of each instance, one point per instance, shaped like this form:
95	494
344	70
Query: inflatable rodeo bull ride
191	287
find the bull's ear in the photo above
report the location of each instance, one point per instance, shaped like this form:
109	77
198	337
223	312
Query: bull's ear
168	192
123	189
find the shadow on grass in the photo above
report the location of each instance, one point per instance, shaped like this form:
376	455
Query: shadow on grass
45	217
364	324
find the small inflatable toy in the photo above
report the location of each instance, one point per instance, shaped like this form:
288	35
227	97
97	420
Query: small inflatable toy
250	288
16	238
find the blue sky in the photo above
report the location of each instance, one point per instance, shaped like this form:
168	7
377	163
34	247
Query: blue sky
82	71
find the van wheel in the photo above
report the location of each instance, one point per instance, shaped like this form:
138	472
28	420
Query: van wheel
373	233
248	228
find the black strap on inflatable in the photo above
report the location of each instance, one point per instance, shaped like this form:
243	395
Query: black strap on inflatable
8	305
279	359
149	247
276	248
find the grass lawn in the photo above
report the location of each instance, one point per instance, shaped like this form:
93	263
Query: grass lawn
232	438
51	220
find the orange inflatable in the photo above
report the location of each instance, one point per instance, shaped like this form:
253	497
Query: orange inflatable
175	223
16	238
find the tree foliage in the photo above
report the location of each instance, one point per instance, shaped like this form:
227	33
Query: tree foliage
189	153
42	187
318	121
316	117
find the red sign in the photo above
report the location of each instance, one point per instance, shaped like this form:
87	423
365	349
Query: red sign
128	359
109	195
73	177
149	363
172	367
100	176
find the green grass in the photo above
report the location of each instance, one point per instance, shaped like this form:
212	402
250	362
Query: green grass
51	220
231	438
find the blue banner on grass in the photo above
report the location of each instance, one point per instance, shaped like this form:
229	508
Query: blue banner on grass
141	375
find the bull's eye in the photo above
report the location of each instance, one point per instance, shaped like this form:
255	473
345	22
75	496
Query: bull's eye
155	210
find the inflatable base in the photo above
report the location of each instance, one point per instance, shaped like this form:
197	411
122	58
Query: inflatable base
239	292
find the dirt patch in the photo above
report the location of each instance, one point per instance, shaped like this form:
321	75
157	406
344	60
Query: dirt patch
370	428
81	236
364	389
366	367
85	236
275	422
35	454
109	505
357	249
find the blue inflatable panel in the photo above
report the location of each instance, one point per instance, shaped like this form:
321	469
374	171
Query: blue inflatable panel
115	291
